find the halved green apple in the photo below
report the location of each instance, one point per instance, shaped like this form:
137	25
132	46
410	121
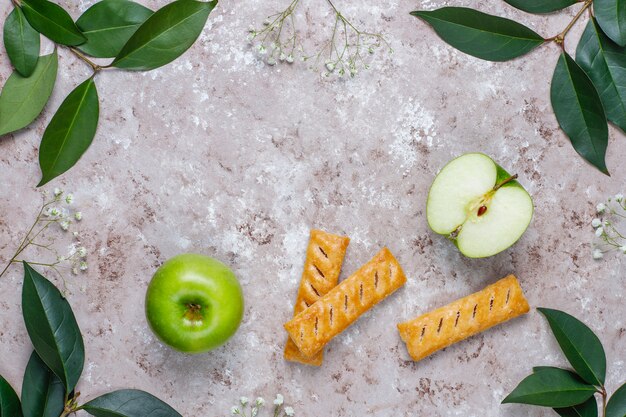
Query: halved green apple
478	205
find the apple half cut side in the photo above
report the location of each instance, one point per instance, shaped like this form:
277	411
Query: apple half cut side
478	205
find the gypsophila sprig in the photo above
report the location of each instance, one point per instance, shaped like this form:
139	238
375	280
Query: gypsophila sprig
348	49
56	217
245	408
610	227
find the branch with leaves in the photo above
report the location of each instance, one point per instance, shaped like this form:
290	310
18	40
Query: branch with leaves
571	393
344	53
137	39
586	92
57	362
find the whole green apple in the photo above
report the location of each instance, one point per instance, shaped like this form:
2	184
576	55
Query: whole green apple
194	303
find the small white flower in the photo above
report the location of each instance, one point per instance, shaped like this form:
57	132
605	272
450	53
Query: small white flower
75	234
65	225
370	50
353	72
74	271
262	50
601	208
251	37
254	412
330	66
623	249
274	45
53	211
279	400
266	22
83	266
60	258
78	215
69	199
619	197
599	231
282	56
271	61
290	59
597	254
243	400
289	411
234	410
82	251
251	29
58	192
260	402
596	223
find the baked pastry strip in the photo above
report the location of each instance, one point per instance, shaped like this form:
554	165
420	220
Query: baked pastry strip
463	318
334	312
324	257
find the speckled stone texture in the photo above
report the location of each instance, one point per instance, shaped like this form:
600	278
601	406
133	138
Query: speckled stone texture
220	154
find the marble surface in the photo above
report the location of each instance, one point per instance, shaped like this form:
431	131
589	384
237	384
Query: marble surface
220	154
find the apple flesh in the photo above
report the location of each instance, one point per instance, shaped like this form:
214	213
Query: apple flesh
478	205
194	303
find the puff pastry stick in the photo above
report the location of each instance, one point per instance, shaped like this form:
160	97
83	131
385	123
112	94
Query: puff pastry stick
463	318
324	257
330	315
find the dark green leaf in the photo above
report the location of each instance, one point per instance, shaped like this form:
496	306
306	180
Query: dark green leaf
21	42
611	15
617	403
52	328
109	24
22	99
605	63
166	34
541	6
551	387
579	111
481	35
43	393
129	403
9	402
586	409
581	346
52	21
70	131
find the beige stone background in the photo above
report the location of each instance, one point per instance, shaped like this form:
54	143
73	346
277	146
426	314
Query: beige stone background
220	154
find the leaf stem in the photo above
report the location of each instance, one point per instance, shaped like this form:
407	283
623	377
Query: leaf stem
604	395
95	67
560	38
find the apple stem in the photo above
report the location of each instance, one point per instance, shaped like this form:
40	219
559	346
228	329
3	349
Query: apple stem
506	181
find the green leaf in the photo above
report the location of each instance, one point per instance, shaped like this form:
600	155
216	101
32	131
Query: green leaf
579	111
551	387
43	393
616	406
541	6
52	328
611	15
605	63
581	346
109	24
70	131
481	35
22	99
129	403
52	21
166	34
587	409
21	42
9	402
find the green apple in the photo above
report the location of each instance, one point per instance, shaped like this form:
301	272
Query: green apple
478	205
194	303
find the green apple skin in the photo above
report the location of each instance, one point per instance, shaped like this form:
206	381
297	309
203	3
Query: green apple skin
501	175
194	303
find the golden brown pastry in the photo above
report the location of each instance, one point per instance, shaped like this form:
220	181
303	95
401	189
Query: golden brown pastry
330	315
463	318
322	266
